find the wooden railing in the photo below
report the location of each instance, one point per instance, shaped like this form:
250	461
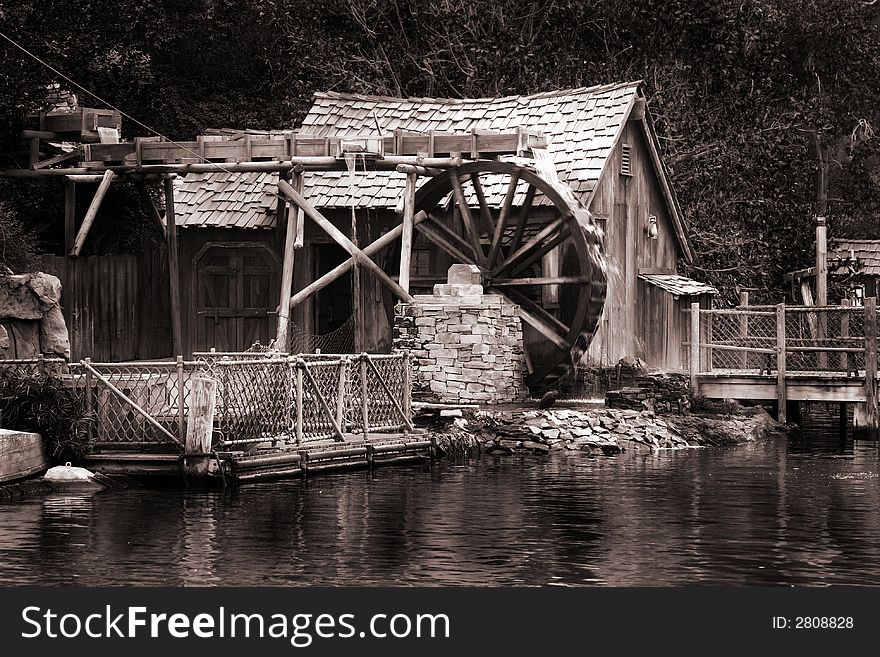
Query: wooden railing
786	342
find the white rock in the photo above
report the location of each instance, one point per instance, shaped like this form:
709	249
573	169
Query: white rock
68	473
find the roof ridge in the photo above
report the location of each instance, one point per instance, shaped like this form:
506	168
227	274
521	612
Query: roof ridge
573	91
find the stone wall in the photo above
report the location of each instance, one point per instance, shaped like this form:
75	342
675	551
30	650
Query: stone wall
31	322
661	393
466	346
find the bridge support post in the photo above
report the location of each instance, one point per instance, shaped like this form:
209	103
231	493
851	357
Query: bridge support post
695	348
781	394
871	362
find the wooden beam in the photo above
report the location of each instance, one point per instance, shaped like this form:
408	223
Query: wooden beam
152	210
470	228
406	237
541	280
173	268
282	334
335	273
871	362
92	213
337	236
695	348
781	394
58	159
533	243
69	216
503	219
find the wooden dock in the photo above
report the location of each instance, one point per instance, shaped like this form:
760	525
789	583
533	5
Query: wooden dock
786	354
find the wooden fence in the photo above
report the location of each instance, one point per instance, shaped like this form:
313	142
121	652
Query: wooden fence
115	306
272	398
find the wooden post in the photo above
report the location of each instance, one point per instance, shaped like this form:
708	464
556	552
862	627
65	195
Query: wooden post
92	212
407	384
90	400
364	397
152	210
173	267
695	347
781	394
69	215
340	392
406	237
299	401
744	328
181	398
200	429
871	361
281	339
844	334
821	262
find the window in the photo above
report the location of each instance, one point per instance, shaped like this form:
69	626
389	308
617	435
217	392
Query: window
625	160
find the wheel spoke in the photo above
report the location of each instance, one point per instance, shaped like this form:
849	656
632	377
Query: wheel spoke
441	227
469	226
443	244
549	230
539	319
540	253
523	218
485	213
503	218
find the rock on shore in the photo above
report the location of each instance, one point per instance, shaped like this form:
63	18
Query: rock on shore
600	431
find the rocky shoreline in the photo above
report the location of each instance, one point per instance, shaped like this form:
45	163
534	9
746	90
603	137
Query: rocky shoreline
596	430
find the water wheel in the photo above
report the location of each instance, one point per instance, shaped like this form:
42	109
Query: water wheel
560	309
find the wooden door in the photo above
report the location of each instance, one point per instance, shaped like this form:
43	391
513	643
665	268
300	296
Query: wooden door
237	298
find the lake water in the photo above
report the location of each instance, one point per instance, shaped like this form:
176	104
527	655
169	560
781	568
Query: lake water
802	510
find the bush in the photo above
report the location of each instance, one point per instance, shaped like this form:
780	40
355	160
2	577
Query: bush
42	404
18	245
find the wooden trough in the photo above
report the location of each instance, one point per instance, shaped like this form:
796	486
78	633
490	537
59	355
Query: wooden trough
21	455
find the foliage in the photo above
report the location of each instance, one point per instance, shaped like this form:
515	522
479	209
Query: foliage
741	90
18	245
43	404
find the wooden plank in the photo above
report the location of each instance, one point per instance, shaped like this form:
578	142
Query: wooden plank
781	397
406	236
173	268
342	240
200	428
871	361
92	213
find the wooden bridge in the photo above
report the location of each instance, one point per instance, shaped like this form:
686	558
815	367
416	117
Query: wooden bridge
786	354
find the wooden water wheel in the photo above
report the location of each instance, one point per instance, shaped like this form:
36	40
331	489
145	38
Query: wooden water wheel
560	309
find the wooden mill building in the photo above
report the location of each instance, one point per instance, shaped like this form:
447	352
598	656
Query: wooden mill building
601	142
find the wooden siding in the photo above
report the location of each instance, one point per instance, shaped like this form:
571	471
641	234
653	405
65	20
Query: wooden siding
624	203
116	306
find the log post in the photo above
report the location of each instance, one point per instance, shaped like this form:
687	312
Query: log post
200	428
364	395
92	212
181	399
356	300
744	328
299	401
282	336
69	215
406	237
407	384
340	392
871	361
90	399
173	267
781	394
695	347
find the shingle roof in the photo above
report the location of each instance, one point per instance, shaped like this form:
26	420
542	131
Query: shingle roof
680	285
580	125
867	252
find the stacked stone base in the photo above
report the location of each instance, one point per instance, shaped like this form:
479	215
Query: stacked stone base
465	348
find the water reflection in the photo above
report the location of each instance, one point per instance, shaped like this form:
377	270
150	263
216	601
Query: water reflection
800	511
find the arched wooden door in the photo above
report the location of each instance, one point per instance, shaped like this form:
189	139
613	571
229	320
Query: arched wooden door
237	297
